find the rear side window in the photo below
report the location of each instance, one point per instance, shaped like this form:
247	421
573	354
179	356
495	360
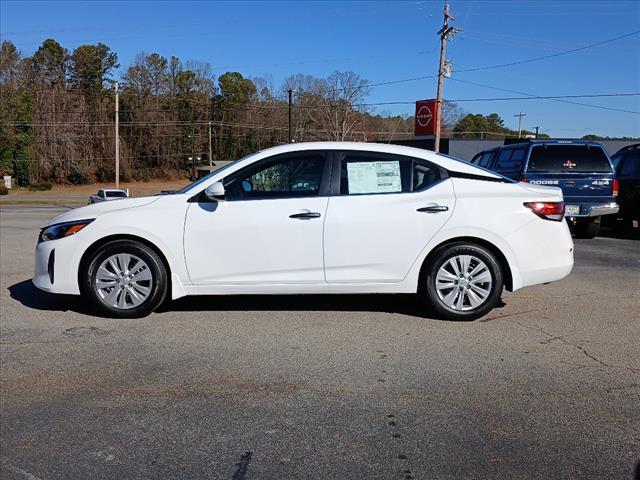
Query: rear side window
568	158
615	159
631	165
483	160
371	173
510	160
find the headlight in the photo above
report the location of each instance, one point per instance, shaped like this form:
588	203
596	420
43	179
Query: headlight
61	230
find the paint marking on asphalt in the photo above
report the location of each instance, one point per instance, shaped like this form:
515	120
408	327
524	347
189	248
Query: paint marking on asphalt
12	468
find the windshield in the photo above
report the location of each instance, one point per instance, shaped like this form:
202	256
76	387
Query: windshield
116	194
568	158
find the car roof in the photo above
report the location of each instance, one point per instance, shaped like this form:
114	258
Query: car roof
635	146
445	161
558	142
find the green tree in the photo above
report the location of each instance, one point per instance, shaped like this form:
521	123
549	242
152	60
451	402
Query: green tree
496	123
235	89
90	65
49	63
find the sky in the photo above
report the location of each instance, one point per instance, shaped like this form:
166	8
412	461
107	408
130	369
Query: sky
382	42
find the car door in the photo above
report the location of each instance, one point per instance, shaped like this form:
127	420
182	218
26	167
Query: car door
268	230
383	214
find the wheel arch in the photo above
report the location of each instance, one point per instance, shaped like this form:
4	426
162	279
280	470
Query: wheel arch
86	256
502	259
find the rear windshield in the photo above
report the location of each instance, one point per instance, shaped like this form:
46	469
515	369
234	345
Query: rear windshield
116	194
568	158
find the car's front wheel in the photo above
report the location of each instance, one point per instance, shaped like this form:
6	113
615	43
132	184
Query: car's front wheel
125	279
463	281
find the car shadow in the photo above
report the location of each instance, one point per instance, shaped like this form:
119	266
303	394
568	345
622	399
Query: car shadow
405	304
387	303
28	295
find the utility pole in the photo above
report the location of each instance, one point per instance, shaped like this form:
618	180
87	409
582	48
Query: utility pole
117	140
290	92
537	128
445	33
210	151
520	115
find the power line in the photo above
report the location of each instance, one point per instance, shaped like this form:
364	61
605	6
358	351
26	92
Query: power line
407	102
553	55
532	95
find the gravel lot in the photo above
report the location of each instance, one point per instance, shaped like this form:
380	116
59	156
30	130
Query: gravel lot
326	387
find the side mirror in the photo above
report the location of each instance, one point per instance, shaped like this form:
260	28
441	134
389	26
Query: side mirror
215	191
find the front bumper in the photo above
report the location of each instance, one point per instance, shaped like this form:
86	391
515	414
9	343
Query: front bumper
56	266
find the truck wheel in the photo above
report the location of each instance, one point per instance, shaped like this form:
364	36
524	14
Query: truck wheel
587	227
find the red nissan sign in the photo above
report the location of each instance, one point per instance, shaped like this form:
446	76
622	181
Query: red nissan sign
426	113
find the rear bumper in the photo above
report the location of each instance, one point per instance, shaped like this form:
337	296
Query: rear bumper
594	209
543	252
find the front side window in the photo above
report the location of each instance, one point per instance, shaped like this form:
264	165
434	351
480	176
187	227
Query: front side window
371	173
287	177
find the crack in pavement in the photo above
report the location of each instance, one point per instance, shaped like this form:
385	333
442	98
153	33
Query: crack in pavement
484	320
552	337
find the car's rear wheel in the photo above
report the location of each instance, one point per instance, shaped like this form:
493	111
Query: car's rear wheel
587	227
125	279
463	281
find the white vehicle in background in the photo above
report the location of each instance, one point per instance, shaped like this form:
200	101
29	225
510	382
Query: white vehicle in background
107	194
325	217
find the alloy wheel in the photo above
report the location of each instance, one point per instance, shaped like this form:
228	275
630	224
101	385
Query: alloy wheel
463	282
123	281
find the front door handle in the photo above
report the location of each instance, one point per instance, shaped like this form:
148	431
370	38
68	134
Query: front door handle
434	209
305	215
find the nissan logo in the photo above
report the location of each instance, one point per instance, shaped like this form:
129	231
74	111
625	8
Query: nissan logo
424	116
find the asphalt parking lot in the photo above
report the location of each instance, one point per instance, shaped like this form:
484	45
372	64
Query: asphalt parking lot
326	387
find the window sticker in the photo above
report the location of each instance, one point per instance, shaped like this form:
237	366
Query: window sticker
374	177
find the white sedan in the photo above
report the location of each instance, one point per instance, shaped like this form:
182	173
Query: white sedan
315	218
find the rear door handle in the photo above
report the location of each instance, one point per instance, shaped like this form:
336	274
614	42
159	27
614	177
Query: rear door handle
305	215
434	209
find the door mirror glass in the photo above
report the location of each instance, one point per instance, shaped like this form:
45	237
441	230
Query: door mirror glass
215	191
246	186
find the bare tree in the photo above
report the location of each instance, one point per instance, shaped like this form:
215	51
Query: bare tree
342	94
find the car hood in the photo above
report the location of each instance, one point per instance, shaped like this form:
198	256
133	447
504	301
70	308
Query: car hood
96	209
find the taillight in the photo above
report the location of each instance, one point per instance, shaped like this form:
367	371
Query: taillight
614	188
547	210
523	178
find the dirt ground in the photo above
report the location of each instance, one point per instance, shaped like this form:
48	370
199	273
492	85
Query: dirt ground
136	189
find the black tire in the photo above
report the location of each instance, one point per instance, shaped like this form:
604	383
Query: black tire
158	284
587	227
429	293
